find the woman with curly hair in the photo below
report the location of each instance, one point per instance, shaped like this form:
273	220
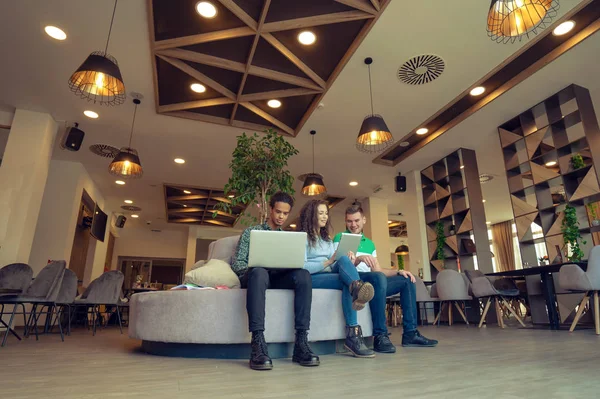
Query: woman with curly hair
326	272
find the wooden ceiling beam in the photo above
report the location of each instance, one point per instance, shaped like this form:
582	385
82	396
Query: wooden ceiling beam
218	222
268	95
185	210
268	117
256	127
199	76
376	4
194	104
362	5
294	59
240	13
282	77
306	22
203	59
219	121
203	38
187	197
185	220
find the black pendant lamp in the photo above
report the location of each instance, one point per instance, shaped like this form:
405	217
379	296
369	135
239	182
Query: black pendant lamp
374	135
99	79
313	183
402	250
127	162
509	20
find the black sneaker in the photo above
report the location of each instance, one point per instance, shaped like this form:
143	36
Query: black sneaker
383	344
414	338
355	343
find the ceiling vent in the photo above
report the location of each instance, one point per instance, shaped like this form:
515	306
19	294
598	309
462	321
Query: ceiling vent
484	178
131	208
421	69
104	150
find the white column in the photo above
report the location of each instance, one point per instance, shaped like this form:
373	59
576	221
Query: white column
190	257
23	177
414	214
376	228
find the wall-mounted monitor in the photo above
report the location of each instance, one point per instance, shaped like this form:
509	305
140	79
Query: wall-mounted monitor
99	220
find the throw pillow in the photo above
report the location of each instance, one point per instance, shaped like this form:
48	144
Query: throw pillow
214	272
198	264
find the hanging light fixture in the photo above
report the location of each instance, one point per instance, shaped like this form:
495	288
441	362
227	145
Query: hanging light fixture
374	135
99	79
313	183
127	162
509	20
402	250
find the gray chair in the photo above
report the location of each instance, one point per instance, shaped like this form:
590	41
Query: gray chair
452	290
105	290
423	297
43	291
573	278
482	288
16	276
66	296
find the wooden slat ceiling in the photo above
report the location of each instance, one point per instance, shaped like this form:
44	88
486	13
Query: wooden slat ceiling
195	205
397	229
249	54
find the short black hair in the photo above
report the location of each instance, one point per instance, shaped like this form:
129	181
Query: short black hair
352	209
280	196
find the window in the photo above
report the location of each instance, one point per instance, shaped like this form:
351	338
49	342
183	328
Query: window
515	241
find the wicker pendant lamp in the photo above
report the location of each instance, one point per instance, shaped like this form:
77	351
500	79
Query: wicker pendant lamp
509	20
313	183
127	162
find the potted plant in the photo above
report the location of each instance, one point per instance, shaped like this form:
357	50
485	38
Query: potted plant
400	262
571	236
543	260
258	170
441	242
592	211
577	161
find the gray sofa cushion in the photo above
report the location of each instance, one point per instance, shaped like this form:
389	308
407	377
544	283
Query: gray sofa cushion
223	249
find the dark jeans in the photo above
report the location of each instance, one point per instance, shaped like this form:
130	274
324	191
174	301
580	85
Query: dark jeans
377	305
257	280
408	300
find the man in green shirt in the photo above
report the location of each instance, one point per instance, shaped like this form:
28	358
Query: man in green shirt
398	282
257	280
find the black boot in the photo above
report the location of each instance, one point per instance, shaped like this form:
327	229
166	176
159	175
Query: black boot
355	343
414	338
382	344
302	353
259	358
361	294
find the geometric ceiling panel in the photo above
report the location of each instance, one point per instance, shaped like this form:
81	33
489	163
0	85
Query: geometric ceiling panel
195	205
249	53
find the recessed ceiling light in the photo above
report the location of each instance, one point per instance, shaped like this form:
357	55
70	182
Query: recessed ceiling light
187	191
488	222
198	88
404	144
551	163
179	160
120	182
307	37
462	166
90	114
422	130
185	206
563	28
483	201
389	221
353	183
128	201
231	196
274	103
55	33
293	226
206	9
477	91
135	216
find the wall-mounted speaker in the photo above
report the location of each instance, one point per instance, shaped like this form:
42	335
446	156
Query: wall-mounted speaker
120	222
400	184
73	138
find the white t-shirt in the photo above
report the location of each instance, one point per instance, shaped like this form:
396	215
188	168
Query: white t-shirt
362	266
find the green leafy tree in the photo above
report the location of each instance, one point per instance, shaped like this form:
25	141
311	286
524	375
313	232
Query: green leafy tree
258	170
571	236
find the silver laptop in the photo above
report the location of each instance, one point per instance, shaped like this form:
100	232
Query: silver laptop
277	249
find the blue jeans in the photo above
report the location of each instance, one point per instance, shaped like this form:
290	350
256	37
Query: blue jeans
379	282
408	300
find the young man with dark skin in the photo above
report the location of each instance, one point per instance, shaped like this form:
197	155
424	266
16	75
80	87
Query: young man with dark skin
398	282
257	280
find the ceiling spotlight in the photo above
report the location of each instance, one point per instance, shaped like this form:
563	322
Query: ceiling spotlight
353	183
274	103
551	163
187	191
477	91
422	130
120	182
462	166
483	201
488	222
128	201
293	226
135	216
307	37
55	33
91	114
563	28
206	9
231	196
179	160
198	88
185	206
389	222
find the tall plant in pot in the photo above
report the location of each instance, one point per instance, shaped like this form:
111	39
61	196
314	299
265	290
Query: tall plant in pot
593	213
440	242
258	170
571	235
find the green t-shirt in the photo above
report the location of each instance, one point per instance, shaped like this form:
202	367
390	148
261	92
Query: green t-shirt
366	247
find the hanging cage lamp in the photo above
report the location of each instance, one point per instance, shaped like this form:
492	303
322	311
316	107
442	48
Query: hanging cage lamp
313	183
98	78
127	162
509	20
374	135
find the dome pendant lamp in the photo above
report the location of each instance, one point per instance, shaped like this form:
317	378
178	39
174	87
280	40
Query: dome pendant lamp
99	79
313	183
127	162
509	20
374	135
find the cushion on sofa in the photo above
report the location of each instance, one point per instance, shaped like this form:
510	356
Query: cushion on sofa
214	272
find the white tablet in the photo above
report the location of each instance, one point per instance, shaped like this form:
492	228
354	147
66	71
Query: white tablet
349	242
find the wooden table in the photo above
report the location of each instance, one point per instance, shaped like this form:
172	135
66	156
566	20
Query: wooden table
547	280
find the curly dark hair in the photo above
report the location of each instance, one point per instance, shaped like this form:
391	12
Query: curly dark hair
309	222
280	196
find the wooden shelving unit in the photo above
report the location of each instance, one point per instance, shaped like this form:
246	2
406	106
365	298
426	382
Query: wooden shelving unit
452	195
538	146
